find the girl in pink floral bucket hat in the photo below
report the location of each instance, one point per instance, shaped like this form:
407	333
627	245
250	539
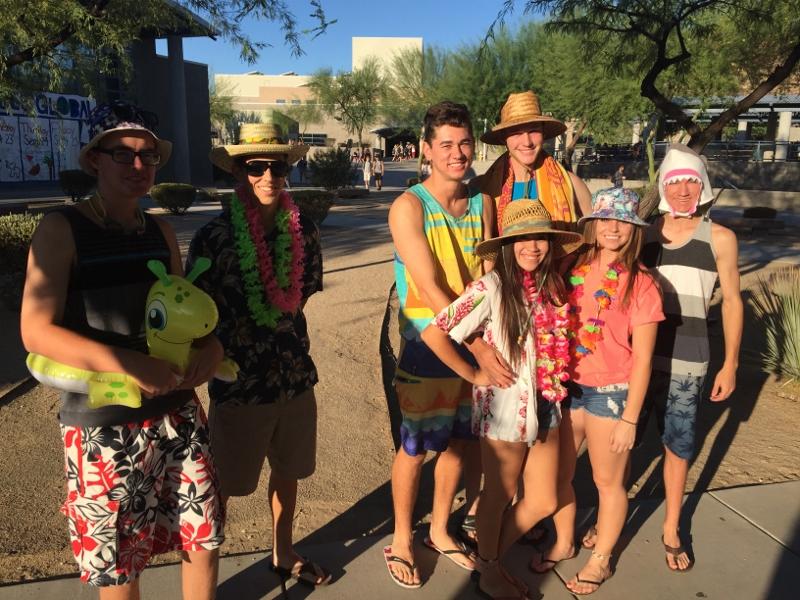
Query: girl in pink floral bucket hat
615	307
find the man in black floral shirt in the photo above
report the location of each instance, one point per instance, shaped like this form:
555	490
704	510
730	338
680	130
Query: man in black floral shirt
267	262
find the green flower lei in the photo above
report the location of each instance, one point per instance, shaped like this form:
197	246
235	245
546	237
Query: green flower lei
263	314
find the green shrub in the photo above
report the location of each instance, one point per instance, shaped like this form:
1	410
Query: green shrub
412	181
776	304
314	204
15	238
76	184
205	195
174	197
331	169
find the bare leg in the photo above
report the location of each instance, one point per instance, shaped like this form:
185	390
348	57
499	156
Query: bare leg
608	471
199	571
675	472
540	500
571	436
446	477
129	591
503	462
406	471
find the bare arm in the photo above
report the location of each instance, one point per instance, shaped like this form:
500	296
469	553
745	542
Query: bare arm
583	196
643	343
727	251
50	261
407	228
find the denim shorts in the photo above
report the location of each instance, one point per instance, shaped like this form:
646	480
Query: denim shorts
674	400
604	401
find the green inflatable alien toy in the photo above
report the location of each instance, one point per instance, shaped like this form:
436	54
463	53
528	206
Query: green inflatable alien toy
177	313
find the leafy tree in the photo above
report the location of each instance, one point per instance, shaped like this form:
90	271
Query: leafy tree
352	98
757	40
220	103
304	114
46	44
412	86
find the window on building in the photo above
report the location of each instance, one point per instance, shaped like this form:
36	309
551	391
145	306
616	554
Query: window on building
295	101
280	101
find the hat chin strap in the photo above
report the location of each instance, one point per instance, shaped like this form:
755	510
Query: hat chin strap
688	213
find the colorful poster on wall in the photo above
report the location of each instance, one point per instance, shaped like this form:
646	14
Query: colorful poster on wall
44	137
10	165
36	149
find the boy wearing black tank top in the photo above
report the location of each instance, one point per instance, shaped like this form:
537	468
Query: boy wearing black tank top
140	481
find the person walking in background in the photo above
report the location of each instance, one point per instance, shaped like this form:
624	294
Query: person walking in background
377	169
520	308
615	307
366	170
618	177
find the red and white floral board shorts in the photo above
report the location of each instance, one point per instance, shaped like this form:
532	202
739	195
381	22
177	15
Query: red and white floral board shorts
140	489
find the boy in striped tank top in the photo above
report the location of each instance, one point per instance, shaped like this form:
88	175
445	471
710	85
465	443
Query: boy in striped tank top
435	227
687	253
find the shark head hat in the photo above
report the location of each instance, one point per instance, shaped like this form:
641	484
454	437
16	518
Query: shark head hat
681	163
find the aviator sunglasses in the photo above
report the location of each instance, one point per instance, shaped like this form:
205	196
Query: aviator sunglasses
278	168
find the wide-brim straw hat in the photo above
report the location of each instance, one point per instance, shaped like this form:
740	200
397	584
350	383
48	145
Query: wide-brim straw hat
529	217
256	139
520	110
120	117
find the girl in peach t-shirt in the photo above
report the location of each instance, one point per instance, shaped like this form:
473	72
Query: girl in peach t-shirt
616	307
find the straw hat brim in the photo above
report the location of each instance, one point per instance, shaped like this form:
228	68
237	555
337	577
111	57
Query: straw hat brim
225	156
551	128
163	147
561	244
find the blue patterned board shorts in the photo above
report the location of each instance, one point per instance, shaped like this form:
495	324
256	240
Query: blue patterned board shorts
675	399
604	401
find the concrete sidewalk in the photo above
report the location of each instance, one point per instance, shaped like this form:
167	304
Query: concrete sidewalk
746	540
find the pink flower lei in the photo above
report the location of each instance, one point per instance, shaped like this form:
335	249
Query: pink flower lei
270	289
551	330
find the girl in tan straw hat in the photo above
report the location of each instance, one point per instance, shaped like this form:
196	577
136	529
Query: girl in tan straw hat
615	307
521	308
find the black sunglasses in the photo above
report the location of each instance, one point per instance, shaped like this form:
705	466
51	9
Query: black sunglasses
124	156
278	168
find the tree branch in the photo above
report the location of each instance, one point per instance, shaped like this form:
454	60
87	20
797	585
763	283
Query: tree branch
94	10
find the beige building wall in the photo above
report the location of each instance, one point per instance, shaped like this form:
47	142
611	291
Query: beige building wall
382	48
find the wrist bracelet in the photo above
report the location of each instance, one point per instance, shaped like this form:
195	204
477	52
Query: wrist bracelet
634	423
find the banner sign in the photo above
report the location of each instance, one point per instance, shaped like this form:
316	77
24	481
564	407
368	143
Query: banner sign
36	144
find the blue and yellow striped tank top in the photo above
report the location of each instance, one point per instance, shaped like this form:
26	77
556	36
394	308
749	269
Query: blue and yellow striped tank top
452	241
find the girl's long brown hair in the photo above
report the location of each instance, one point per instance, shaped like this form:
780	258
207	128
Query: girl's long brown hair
628	256
514	312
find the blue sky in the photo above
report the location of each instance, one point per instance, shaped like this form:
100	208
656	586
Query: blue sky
444	24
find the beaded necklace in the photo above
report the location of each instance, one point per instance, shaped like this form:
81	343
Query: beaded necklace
587	336
271	290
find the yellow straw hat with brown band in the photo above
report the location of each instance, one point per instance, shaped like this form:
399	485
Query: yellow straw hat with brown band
256	139
520	110
529	217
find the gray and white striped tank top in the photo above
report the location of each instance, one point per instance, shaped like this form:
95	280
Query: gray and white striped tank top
687	274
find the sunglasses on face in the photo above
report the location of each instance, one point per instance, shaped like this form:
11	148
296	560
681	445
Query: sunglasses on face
124	156
257	168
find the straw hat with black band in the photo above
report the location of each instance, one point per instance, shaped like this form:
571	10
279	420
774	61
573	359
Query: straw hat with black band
256	139
520	111
529	217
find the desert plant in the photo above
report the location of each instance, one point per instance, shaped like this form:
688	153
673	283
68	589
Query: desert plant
174	197
352	192
776	304
331	169
76	184
314	204
15	238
